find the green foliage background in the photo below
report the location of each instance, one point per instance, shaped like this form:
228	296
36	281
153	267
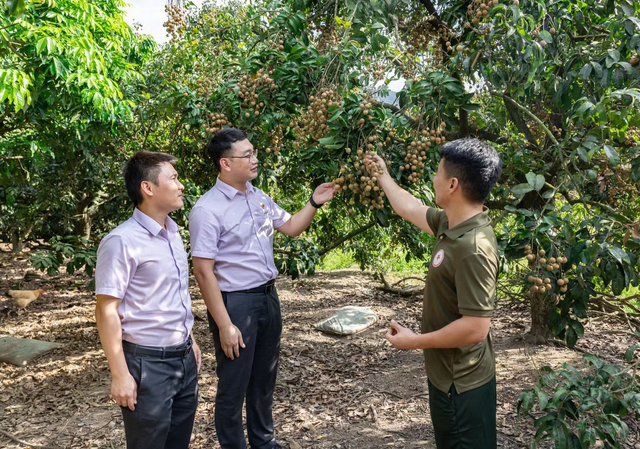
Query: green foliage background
553	84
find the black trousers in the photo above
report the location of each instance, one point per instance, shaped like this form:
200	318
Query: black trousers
464	420
167	400
253	374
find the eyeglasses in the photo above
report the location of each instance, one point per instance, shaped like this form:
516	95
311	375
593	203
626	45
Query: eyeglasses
253	154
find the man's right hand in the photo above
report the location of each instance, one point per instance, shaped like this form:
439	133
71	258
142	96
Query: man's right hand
369	158
231	341
124	391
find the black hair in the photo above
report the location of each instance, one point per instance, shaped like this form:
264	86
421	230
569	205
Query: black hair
220	144
476	164
144	166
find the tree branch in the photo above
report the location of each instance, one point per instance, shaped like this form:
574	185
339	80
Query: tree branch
349	236
592	203
386	287
528	113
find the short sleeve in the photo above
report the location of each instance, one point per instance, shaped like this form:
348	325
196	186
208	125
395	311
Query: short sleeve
278	215
435	217
204	229
475	280
114	267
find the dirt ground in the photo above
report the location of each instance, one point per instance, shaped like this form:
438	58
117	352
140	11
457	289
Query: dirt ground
333	392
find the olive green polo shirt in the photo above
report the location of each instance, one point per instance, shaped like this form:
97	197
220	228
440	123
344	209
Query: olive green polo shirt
461	281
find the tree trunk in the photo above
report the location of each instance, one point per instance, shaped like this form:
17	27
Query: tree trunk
83	219
540	309
16	241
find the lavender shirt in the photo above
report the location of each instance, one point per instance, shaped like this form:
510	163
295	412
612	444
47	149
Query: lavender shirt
236	230
146	266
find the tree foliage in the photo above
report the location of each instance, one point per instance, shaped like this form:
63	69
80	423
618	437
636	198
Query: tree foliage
552	84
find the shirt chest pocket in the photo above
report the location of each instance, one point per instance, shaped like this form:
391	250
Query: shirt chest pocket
182	263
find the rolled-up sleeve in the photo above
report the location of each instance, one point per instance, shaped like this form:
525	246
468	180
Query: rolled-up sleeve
278	215
114	267
205	233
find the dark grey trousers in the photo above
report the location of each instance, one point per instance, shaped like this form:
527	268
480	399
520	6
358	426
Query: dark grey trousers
167	401
464	420
252	375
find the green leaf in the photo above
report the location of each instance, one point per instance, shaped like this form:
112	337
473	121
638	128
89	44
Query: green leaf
521	189
382	218
531	179
571	337
470	107
15	7
539	182
546	36
612	154
543	399
619	254
628	355
585	72
559	437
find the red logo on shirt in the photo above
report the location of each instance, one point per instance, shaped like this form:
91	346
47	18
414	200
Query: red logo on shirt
438	258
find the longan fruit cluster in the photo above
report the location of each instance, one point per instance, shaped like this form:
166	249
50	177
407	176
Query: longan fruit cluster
365	108
416	154
536	34
479	9
557	131
176	23
313	122
277	45
364	183
327	38
217	122
249	86
541	283
276	143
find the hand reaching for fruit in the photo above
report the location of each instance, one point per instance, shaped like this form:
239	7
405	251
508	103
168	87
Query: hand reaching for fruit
375	165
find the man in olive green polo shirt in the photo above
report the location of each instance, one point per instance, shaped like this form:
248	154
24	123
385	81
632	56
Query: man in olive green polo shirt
459	294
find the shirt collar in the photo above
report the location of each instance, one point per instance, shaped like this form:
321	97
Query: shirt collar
476	221
230	191
153	226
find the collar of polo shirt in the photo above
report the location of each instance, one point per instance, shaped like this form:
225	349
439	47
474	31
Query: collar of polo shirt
477	220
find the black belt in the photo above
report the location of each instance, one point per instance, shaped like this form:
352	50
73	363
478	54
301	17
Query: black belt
155	351
264	288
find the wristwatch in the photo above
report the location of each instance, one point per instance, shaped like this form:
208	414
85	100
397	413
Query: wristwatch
314	204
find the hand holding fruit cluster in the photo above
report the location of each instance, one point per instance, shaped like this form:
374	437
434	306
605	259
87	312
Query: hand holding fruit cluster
364	183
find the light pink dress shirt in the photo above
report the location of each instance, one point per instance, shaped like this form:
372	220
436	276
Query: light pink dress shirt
146	266
236	230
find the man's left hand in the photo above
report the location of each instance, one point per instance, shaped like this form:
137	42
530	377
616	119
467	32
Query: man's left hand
198	354
324	192
400	337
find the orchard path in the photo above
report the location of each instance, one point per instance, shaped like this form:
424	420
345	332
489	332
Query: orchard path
352	392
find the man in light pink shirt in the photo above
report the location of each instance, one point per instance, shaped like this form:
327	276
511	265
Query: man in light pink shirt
144	310
232	228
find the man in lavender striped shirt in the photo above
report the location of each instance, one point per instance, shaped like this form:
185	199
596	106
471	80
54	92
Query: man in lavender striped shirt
144	310
232	228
